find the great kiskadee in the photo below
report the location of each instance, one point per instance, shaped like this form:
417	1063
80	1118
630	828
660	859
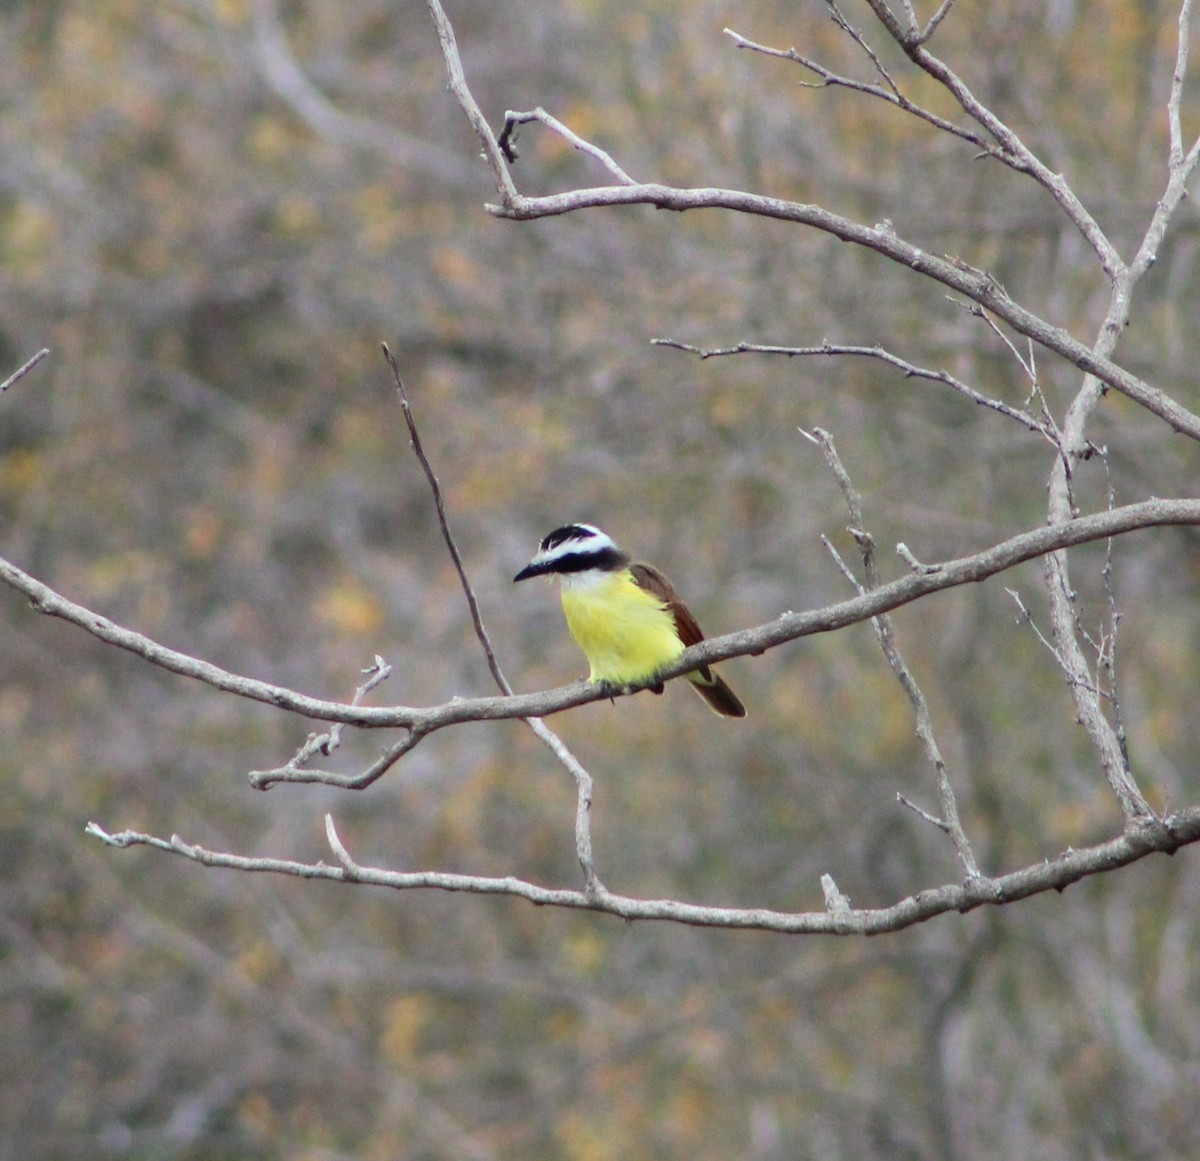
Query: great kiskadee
625	616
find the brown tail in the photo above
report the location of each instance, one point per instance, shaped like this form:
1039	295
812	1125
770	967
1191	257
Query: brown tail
720	698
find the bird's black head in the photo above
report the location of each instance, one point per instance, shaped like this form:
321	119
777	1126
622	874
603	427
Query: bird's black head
574	548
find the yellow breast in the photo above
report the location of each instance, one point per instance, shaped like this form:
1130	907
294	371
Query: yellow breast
626	634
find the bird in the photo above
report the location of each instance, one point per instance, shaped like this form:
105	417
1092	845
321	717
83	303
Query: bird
625	615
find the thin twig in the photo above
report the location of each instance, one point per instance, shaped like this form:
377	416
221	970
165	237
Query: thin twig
1012	149
1026	365
935	20
840	20
1178	76
895	658
1024	616
443	523
508	140
583	780
296	768
831	79
457	83
932	819
265	779
1108	654
910	370
24	370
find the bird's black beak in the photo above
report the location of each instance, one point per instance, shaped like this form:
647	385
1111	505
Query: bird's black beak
531	569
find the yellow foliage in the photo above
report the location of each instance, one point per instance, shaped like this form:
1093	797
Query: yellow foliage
347	607
382	220
259	962
29	231
231	11
298	215
404	1023
586	950
585	1138
119	571
19	469
272	137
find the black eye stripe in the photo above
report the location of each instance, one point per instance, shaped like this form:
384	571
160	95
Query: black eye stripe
605	559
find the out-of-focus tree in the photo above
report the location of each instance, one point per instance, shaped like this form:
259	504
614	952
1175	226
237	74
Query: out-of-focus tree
212	213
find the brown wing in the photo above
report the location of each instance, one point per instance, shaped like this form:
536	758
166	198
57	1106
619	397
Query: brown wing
713	689
650	580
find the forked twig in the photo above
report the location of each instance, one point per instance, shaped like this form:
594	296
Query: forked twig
508	140
296	768
891	95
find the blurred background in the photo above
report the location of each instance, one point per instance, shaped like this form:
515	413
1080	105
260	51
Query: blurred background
212	212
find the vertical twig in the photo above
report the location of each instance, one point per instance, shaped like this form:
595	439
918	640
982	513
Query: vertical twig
949	822
457	84
1178	76
583	780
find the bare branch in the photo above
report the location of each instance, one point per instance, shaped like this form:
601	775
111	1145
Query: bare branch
443	523
583	780
933	820
910	370
840	20
24	370
790	626
1180	167
891	95
1087	696
1024	616
977	285
1178	76
508	140
457	83
295	770
1105	736
895	659
835	902
1141	838
910	14
935	20
1015	153
1107	654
